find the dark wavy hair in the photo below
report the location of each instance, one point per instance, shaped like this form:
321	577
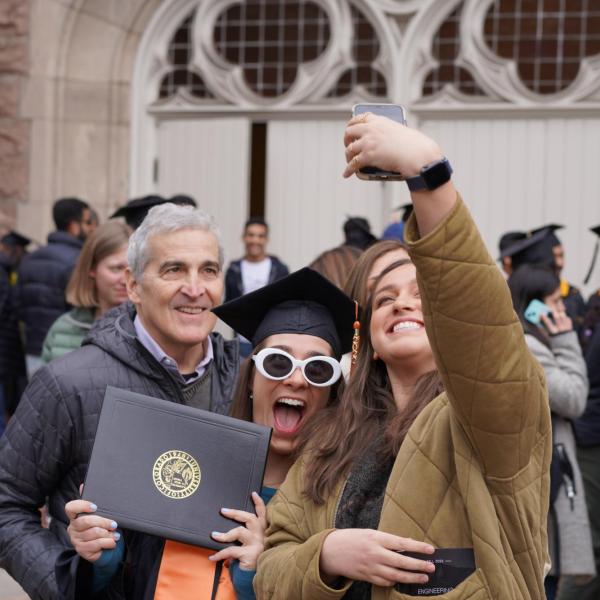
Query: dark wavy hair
532	282
366	411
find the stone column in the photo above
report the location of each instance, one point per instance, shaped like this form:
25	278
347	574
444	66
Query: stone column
14	129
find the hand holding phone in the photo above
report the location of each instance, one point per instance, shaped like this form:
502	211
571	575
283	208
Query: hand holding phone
391	111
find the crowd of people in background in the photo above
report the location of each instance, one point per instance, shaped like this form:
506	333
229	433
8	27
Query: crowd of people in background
133	302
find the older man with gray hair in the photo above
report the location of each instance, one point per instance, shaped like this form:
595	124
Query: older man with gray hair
160	344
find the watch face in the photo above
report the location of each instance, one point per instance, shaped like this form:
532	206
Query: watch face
437	174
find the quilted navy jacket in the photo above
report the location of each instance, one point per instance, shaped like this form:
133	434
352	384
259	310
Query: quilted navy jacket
42	281
47	445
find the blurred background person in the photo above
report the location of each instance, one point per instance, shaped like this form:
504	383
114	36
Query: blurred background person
96	285
336	264
254	270
395	230
554	343
12	357
44	274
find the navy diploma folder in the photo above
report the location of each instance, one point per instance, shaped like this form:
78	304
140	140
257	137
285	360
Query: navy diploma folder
166	469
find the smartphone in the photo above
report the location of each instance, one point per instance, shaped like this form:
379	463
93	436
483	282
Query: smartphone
535	310
391	111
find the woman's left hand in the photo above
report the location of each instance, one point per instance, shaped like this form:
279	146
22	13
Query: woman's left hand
560	322
251	535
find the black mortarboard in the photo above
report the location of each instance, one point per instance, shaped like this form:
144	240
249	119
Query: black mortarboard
550	229
595	230
136	210
12	238
183	200
509	238
303	302
534	248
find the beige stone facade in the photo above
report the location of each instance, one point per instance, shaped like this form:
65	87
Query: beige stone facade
65	75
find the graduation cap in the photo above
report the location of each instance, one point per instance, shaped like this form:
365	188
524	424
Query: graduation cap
509	238
183	200
303	302
534	248
550	229
595	230
12	238
135	210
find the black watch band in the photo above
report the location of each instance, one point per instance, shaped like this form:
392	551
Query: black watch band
432	176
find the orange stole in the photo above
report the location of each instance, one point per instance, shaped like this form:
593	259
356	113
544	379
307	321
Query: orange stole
186	574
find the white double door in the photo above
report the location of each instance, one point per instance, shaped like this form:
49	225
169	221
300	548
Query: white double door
307	200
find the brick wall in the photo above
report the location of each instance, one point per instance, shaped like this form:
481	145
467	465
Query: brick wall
14	130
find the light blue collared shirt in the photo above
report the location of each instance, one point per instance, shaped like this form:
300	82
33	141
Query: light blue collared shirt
165	360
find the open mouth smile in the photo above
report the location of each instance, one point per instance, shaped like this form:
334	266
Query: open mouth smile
406	325
288	414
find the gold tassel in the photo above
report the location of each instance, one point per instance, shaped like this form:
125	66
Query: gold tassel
355	338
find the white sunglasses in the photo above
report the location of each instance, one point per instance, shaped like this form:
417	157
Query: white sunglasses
276	364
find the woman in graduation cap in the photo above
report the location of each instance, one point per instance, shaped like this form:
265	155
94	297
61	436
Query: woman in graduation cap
460	479
300	326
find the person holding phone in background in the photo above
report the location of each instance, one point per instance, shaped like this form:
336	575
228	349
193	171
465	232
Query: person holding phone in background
549	333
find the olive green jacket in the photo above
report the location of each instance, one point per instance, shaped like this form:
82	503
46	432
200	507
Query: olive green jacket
67	333
473	470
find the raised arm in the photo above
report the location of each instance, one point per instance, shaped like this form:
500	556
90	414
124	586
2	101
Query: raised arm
495	386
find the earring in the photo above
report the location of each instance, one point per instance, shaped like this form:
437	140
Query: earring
250	396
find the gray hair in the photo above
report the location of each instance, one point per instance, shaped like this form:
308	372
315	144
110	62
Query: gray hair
166	218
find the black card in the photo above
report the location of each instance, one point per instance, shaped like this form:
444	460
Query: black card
452	566
166	469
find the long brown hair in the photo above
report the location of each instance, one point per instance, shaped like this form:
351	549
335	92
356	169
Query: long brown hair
341	434
357	284
107	239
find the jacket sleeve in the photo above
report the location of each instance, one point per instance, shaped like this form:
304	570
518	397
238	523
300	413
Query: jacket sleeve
289	568
494	385
566	373
32	464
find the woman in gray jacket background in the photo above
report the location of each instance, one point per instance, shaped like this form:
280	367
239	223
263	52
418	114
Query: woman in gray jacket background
550	336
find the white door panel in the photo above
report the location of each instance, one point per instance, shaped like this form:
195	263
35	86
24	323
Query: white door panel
521	173
307	198
209	160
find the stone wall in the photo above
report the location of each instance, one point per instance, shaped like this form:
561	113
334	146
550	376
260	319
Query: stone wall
14	129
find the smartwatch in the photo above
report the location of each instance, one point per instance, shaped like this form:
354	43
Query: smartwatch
432	176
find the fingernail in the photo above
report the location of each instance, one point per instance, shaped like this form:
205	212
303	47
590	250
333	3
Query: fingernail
225	510
211	557
93	506
430	549
424	579
113	525
117	536
216	534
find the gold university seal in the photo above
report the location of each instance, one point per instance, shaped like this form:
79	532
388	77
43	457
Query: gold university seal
176	474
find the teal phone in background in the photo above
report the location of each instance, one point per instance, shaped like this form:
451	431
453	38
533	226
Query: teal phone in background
535	310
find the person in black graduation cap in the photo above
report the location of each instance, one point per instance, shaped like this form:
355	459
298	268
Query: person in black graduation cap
299	326
12	357
136	210
587	435
542	246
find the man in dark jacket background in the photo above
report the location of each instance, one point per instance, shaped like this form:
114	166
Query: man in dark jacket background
160	345
255	269
44	275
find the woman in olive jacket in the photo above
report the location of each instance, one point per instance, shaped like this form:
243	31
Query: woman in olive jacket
471	468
